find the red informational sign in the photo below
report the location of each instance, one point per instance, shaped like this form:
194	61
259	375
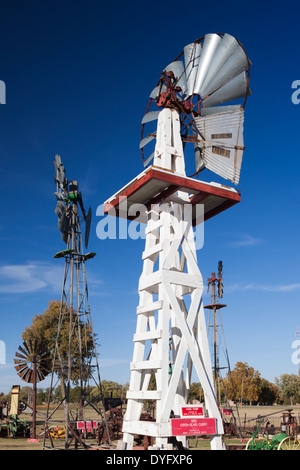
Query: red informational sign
191	410
87	425
227	411
193	426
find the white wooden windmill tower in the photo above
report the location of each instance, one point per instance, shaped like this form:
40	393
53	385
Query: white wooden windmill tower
171	328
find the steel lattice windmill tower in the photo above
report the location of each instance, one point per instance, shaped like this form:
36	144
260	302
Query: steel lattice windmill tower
75	356
171	326
215	284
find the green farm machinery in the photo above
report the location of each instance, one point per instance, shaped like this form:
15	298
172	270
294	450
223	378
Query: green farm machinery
279	441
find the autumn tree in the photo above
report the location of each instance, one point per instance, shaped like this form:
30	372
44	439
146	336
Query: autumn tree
112	389
243	383
289	385
195	392
44	329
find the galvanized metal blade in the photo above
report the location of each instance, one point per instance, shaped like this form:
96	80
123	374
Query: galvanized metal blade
148	160
210	44
155	92
191	59
228	52
152	116
235	89
146	141
219	109
236	63
60	173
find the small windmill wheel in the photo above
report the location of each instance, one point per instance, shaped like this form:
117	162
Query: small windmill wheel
31	357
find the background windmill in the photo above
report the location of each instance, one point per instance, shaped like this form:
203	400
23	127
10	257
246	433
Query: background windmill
33	364
215	324
77	359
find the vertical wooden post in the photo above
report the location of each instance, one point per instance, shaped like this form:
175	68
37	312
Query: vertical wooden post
34	397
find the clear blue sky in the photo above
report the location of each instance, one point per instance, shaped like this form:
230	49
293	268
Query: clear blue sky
78	76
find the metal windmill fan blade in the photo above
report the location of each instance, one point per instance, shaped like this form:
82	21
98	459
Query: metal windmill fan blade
148	123
32	346
177	68
152	116
23	351
235	89
222	147
88	220
146	141
155	92
40	375
21	367
22	373
191	59
63	220
60	172
219	109
20	361
229	61
27	376
148	160
21	356
210	45
198	157
25	345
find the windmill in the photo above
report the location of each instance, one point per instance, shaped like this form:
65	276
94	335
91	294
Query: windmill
76	359
211	71
215	285
215	323
33	364
194	102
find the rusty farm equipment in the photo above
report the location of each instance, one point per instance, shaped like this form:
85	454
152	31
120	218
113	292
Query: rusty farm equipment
10	423
266	438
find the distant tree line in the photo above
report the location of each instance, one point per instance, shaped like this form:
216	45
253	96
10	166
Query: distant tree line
242	385
245	385
109	388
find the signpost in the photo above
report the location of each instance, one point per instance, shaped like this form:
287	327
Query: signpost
191	410
193	426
